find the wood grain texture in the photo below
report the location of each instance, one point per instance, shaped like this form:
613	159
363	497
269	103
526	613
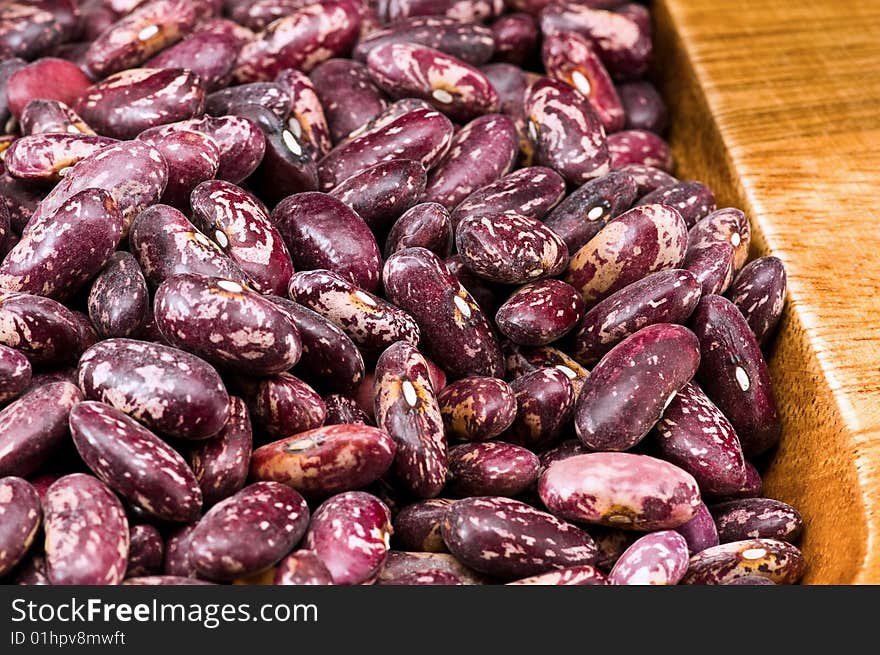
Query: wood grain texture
776	105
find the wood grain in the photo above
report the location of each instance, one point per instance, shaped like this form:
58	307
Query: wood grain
776	105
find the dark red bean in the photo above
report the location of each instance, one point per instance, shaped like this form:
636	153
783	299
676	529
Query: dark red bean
221	462
146	551
283	405
118	298
693	200
44	330
22	515
348	95
47	79
759	294
700	532
757	518
302	567
545	401
516	37
417	526
426	225
540	312
491	468
643	107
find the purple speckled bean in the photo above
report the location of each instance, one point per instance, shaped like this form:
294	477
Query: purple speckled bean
146	550
516	37
464	11
639	242
135	463
540	312
119	299
633	383
727	226
778	561
648	178
643	106
485	293
269	95
178	554
41	116
700	532
46	158
20	517
210	55
348	95
164	581
342	410
470	42
86	533
255	336
192	158
757	518
258	14
350	534
712	266
477	408
508	539
564	450
283	405
44	330
511	83
545	401
306	115
521	360
426	225
491	468
327	460
406	407
27	29
417	526
664	297
566	133
302	567
734	375
659	558
621	490
405	565
381	193
225	27
759	294
221	463
453	328
693	200
15	373
164	388
421	135
585	574
249	531
8	67
629	147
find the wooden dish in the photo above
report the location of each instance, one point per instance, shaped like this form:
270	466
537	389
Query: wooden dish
776	106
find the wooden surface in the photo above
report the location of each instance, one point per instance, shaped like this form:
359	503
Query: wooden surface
776	105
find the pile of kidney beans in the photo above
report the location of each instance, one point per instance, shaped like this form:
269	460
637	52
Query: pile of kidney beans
395	292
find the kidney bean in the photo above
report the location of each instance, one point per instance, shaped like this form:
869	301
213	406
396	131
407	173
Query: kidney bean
323	232
299	40
350	561
477	408
712	266
381	193
22	514
306	115
485	293
225	27
283	405
302	567
371	322
46	158
622	490
728	226
659	558
210	55
417	526
643	106
178	554
564	450
44	330
146	551
759	294
118	299
192	157
249	531
268	95
777	561
407	409
15	373
421	135
255	336
326	460
540	312
639	242
734	375
426	225
49	116
48	78
349	97
492	468
342	410
648	178
86	532
508	539
511	83
639	147
468	11
468	41
545	400
700	532
516	37
757	518
8	66
692	200
404	566
453	328
584	574
221	463
27	29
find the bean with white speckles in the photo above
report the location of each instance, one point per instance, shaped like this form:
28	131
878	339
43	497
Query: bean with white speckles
210	55
620	490
516	37
27	29
326	460
523	360
15	373
659	558
700	532
648	178
643	106
348	95
729	226
759	294
46	158
734	375
192	158
778	561
468	41
258	14
485	293
453	328
342	410
491	468
43	116
464	11
540	312
406	407
221	463
693	200
20	517
146	550
545	401
477	408
426	225
283	405
511	83
757	518
405	565
508	539
135	463
269	95
306	115
585	574
86	533
44	330
417	526
178	554
302	567
639	147
119	299
381	193
712	265
249	531
564	450
166	389
350	534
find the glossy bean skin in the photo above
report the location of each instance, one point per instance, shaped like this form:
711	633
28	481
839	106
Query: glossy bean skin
477	408
643	107
590	207
511	83
426	225
470	42
428	134
757	518
46	158
659	558
168	390
472	10
516	36
22	514
639	242
87	534
381	193
734	375
417	526
620	490
540	312
778	561
210	55
713	266
343	410
372	323
405	565
629	388
508	539
146	550
454	330
350	561
726	226
545	401
268	95
282	405
221	462
248	532
192	158
406	408
44	330
648	178
565	131
668	296
492	138
692	200
348	95
302	567
485	293
41	116
639	147
700	532
585	574
26	29
326	460
166	244
306	115
759	294
118	298
15	373
322	232
135	463
491	468
258	14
